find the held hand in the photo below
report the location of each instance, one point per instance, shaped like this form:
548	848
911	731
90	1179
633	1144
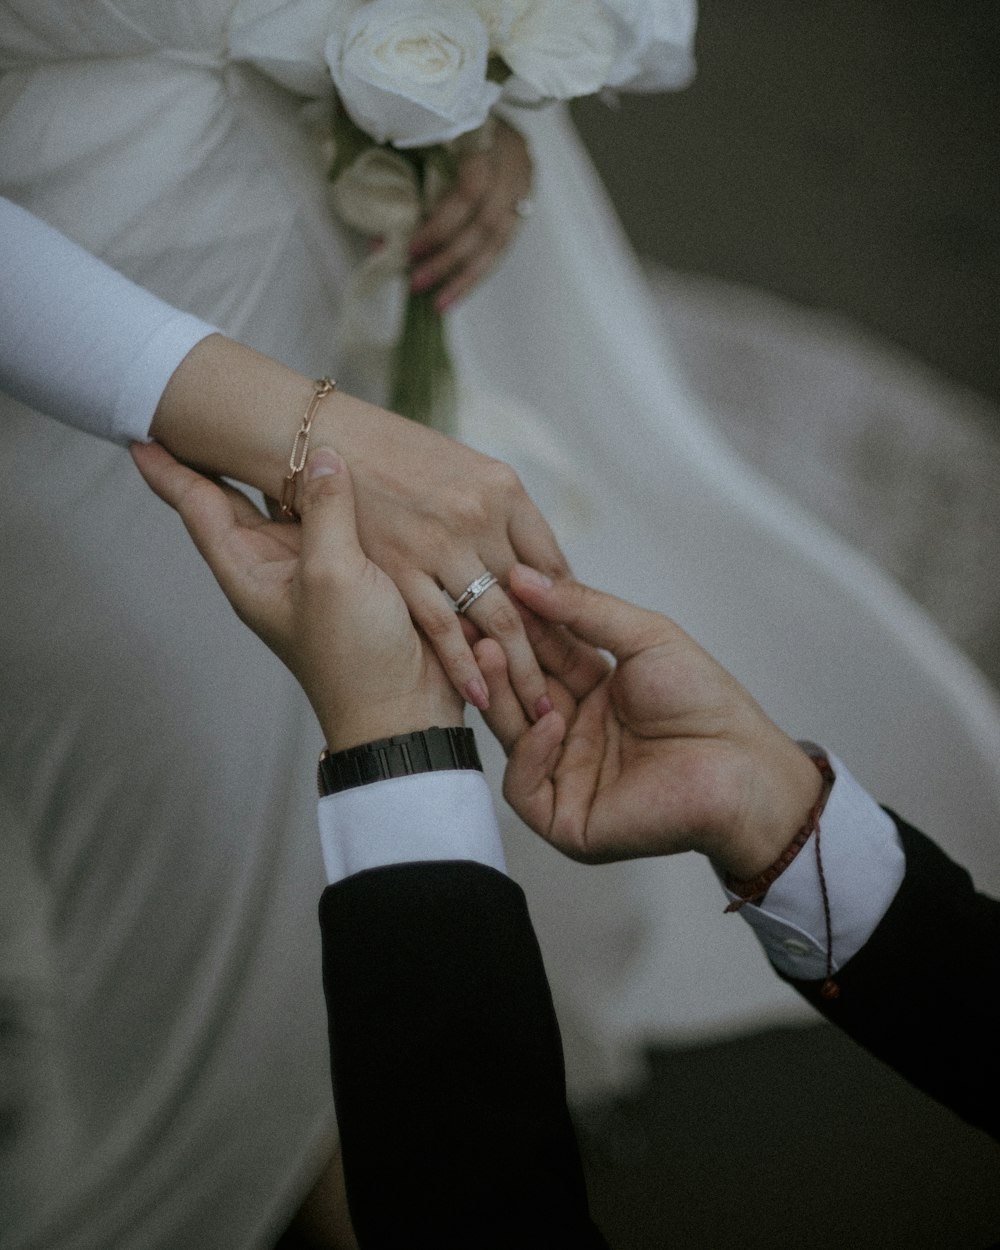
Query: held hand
432	513
473	223
334	618
664	753
435	514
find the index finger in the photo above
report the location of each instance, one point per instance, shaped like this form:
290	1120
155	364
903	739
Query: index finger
576	664
598	618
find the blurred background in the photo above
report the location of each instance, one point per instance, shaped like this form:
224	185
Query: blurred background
820	217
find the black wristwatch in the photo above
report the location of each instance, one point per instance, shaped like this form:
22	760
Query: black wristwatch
423	751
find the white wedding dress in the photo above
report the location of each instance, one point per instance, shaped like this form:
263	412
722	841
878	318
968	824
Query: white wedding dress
164	1054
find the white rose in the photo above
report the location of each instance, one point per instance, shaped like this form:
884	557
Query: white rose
556	49
379	194
413	75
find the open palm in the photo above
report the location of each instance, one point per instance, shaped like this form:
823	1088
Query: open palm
666	752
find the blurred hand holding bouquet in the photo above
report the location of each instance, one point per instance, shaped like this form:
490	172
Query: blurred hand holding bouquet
414	79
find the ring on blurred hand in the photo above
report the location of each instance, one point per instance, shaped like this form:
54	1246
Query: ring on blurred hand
525	206
474	591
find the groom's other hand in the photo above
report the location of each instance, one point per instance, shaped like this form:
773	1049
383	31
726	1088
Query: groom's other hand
664	752
310	592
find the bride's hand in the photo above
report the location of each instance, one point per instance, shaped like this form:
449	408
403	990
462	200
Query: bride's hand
431	512
474	221
436	515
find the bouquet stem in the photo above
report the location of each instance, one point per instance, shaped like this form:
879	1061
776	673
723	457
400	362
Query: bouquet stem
423	379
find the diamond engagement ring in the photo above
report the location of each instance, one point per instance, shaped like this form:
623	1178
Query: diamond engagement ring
474	591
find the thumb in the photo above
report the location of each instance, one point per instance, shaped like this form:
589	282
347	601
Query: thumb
598	618
329	528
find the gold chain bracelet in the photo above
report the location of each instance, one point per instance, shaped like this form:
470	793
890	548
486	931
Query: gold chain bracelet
300	448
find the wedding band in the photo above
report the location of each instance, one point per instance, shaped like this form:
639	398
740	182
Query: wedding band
474	591
525	206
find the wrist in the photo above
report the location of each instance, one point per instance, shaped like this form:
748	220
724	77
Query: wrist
342	731
435	749
231	411
782	785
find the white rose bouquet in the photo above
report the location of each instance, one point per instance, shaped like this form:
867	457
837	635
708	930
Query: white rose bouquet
417	78
416	75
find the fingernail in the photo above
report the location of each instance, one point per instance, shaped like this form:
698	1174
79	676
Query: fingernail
543	707
323	464
477	694
533	578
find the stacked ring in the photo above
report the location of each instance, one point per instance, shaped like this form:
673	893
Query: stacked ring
474	591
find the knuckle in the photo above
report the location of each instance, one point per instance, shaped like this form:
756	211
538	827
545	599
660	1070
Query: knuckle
317	574
440	625
503	479
502	621
473	180
470	510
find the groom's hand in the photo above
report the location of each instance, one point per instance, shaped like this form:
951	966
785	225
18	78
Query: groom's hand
665	752
314	597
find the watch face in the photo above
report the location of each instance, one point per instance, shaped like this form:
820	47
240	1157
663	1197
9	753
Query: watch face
423	751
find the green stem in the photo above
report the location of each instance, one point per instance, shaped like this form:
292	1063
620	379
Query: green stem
423	381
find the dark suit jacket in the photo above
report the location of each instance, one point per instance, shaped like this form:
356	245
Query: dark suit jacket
923	993
447	1064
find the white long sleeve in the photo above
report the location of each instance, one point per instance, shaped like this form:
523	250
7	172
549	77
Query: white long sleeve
78	341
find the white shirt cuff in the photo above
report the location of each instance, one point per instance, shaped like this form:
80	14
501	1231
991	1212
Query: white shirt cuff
864	865
429	816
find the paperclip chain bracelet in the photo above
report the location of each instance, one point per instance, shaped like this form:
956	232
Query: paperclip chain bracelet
300	448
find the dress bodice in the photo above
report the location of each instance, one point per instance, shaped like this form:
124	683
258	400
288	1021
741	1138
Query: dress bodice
154	136
34	31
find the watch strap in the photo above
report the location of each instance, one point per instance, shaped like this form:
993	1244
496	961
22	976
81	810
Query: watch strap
402	755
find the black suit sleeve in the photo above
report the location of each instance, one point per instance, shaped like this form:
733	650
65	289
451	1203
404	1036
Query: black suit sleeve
922	994
447	1064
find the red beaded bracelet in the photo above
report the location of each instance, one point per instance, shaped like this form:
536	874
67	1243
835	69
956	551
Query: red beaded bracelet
753	891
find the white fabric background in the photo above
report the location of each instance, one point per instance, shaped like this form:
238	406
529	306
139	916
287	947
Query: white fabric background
157	796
